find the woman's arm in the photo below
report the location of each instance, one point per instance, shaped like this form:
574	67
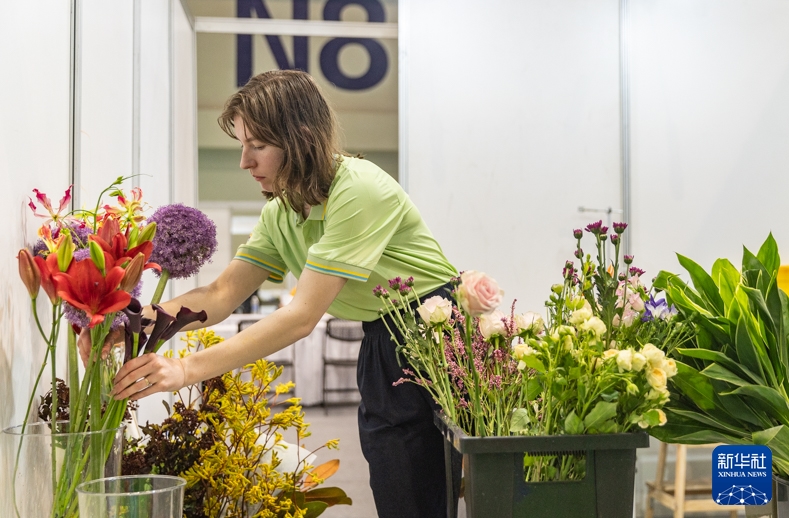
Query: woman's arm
153	373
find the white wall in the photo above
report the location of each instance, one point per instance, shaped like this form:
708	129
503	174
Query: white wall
710	126
510	121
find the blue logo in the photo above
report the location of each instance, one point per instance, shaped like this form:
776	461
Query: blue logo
742	475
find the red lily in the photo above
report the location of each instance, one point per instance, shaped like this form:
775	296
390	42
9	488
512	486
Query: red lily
84	287
117	250
47	267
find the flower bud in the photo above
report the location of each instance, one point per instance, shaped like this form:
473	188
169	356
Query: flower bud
557	288
614	239
109	228
29	272
603	237
579	253
628	259
134	236
578	233
133	273
97	256
147	233
65	251
619	227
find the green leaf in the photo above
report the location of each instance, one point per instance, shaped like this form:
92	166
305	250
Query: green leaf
738	409
680	429
703	284
706	421
727	277
601	412
719	357
768	255
769	399
777	439
573	424
329	495
520	420
717	372
533	362
746	350
757	299
609	426
696	387
314	509
652	417
533	389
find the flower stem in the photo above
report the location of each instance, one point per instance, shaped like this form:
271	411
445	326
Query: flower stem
157	295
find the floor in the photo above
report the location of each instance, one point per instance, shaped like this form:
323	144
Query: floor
352	477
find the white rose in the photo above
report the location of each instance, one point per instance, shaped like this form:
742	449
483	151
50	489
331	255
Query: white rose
435	310
521	350
530	321
639	360
670	367
653	355
656	377
624	360
610	353
581	315
492	324
662	416
595	325
661	396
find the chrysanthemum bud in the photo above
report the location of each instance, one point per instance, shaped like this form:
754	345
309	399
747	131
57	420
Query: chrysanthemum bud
628	259
578	233
622	276
603	231
619	227
29	272
615	239
65	251
604	237
97	255
579	253
133	273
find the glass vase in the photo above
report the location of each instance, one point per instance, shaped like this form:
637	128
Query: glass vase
41	470
132	496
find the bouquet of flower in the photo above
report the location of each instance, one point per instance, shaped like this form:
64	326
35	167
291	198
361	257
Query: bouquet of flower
226	441
90	264
597	365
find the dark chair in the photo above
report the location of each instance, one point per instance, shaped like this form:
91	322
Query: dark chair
341	345
285	358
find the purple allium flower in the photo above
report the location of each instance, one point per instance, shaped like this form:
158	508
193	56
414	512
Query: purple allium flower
79	234
628	259
578	233
594	228
185	240
39	248
619	227
81	254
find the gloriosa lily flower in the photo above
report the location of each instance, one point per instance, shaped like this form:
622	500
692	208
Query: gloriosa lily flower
53	215
130	210
84	287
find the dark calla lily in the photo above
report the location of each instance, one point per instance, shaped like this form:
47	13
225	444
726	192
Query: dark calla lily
165	326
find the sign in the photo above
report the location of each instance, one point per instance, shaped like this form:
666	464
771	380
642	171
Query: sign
742	475
329	56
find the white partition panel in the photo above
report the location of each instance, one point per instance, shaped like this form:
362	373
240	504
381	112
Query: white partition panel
710	126
509	123
106	88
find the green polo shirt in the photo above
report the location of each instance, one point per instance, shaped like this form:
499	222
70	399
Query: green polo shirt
367	231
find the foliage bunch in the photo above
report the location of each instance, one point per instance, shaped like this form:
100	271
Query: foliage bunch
227	442
732	383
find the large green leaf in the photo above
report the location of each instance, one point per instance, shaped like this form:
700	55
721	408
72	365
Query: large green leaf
695	386
727	277
708	422
768	254
329	495
703	284
717	372
601	412
725	361
757	301
750	265
670	282
737	408
777	439
681	429
769	399
756	333
746	350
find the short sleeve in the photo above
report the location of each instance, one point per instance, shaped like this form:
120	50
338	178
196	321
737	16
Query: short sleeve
260	250
361	218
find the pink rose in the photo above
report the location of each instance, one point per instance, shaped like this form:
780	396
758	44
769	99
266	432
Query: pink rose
478	293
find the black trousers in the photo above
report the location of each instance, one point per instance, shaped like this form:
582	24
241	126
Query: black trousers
404	449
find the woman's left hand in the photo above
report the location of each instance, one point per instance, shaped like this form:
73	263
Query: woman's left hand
149	374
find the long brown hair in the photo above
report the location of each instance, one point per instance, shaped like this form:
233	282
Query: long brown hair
286	109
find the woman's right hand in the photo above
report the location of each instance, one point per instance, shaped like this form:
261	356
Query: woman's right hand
84	344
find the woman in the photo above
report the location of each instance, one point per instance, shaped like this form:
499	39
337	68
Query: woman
342	226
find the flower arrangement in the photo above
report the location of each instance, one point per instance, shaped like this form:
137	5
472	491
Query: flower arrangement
596	365
90	263
732	382
227	443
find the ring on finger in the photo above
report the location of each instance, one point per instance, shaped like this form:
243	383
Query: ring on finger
147	382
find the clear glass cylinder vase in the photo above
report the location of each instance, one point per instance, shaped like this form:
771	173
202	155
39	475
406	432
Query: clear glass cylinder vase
132	496
40	470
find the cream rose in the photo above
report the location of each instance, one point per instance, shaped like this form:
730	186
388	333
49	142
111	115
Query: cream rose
595	325
435	310
610	353
624	360
492	324
579	316
656	377
521	350
530	321
670	367
639	360
653	355
478	293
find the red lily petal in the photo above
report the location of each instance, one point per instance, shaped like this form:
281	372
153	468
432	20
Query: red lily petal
41	197
115	301
154	266
65	200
